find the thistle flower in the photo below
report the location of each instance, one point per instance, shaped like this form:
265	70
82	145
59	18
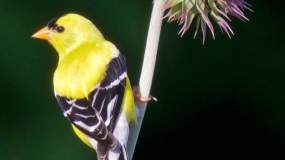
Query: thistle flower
205	12
184	11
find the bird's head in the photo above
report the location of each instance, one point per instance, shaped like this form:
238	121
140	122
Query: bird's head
68	32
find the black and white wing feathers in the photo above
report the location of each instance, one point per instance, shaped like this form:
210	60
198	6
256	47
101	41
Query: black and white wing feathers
96	115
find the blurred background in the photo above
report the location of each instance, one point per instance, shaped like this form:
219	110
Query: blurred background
225	99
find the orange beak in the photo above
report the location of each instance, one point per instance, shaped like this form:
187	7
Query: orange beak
43	34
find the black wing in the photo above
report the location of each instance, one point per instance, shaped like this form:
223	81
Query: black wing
97	115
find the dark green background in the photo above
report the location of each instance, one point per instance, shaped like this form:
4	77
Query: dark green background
223	99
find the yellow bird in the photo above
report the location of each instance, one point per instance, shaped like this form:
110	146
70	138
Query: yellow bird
91	85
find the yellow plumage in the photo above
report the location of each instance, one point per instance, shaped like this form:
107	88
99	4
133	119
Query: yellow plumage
81	136
84	56
78	72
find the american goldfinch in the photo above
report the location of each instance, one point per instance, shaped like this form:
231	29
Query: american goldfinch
91	85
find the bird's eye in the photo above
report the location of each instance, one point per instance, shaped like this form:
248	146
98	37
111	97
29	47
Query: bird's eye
59	29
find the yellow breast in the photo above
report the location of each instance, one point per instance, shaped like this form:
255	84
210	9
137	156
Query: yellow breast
78	72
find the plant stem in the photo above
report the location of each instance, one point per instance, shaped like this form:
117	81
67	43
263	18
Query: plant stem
147	70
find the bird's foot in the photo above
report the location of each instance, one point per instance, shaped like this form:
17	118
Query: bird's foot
141	99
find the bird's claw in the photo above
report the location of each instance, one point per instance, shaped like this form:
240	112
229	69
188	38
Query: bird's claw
141	99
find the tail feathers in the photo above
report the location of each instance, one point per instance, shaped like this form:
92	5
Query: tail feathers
120	153
117	153
124	154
